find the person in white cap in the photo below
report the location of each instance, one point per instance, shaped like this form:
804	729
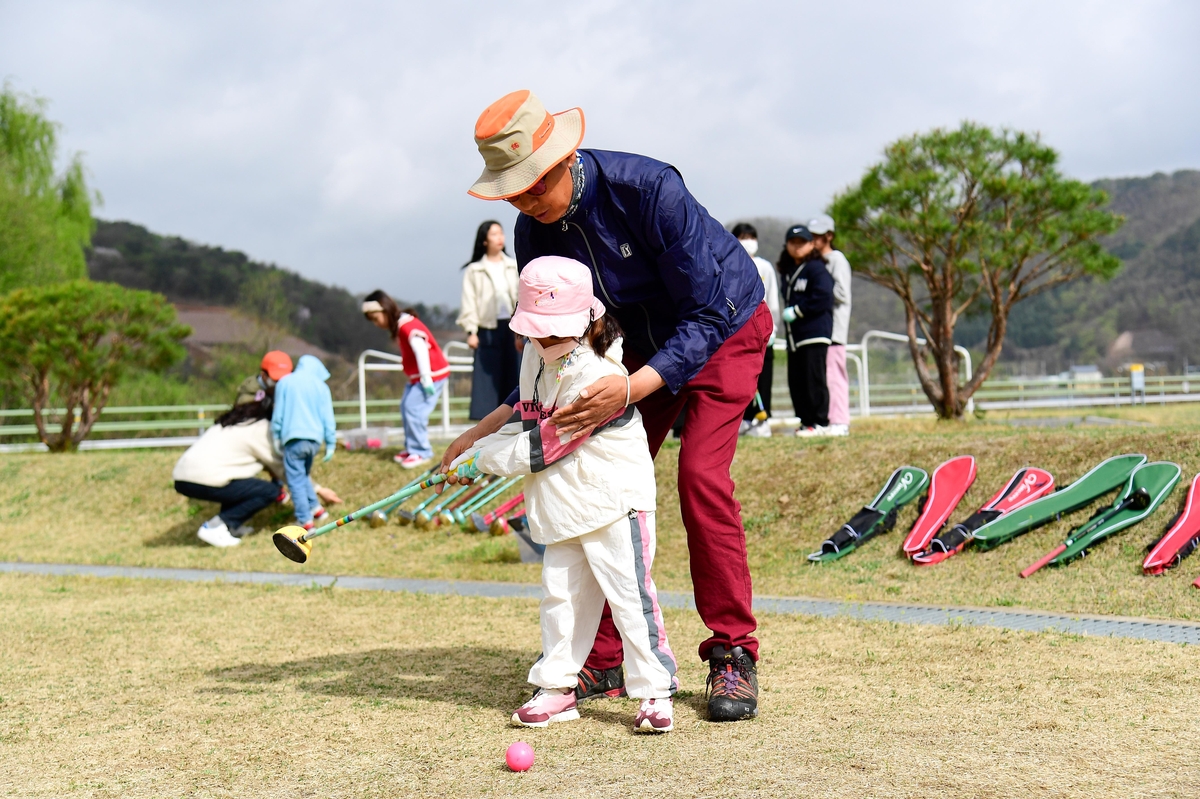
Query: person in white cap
836	378
691	302
589	500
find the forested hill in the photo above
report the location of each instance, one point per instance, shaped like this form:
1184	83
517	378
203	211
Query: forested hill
1148	312
327	316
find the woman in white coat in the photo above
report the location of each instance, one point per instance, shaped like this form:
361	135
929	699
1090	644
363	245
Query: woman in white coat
489	295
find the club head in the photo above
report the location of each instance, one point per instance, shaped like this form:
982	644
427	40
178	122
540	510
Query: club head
499	526
404	517
288	542
378	519
422	520
1140	499
478	520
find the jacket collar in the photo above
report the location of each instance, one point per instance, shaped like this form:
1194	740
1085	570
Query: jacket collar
588	200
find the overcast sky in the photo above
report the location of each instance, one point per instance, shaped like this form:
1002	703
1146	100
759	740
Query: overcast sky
335	138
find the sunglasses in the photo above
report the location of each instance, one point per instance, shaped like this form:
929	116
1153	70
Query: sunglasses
536	190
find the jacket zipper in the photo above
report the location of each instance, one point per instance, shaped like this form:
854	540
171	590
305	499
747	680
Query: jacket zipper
595	264
649	333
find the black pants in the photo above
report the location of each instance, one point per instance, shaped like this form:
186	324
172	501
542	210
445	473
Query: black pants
765	378
497	369
806	382
240	499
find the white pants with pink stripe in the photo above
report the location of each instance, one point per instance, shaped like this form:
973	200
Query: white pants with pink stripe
578	574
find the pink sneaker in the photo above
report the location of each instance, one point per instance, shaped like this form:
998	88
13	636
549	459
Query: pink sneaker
546	707
655	715
400	456
411	461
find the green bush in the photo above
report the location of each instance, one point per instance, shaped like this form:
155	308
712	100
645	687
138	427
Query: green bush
65	346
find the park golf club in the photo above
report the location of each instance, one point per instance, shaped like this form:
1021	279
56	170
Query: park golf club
294	542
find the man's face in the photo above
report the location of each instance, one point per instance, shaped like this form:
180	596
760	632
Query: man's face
551	204
266	380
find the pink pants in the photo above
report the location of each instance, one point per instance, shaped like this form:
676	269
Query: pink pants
838	384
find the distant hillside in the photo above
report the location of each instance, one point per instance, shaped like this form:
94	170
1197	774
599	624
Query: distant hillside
196	274
1148	312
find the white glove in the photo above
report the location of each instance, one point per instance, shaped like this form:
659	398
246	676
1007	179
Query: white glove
790	314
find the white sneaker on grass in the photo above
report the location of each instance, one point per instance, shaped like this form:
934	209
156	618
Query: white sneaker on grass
838	430
759	429
548	706
214	533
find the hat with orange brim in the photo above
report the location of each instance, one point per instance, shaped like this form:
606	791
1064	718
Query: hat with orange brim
520	142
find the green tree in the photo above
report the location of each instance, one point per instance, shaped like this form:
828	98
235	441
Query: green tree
66	345
45	217
973	219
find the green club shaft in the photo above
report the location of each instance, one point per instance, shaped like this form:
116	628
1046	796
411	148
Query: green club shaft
400	495
460	515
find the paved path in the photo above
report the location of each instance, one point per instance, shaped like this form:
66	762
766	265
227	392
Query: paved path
1177	632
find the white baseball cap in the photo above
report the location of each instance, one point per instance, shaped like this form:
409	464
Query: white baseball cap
821	225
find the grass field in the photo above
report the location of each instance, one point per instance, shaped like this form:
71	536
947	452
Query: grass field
119	508
112	688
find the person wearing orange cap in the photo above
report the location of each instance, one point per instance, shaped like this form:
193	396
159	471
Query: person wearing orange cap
691	302
275	364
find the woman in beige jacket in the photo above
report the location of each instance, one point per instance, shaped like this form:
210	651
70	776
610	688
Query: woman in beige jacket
489	294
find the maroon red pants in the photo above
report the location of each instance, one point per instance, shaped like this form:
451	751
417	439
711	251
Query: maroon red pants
715	400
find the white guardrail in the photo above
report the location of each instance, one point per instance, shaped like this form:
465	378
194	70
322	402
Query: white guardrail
867	399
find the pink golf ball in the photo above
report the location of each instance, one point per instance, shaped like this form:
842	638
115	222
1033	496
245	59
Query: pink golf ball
519	756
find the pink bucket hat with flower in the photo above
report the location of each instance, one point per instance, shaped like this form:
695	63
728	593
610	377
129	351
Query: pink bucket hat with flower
555	299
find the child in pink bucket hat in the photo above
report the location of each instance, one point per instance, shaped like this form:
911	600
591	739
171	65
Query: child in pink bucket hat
590	501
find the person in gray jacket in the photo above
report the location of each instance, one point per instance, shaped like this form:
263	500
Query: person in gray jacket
836	379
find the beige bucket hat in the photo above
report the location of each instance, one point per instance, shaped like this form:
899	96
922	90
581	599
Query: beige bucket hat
520	141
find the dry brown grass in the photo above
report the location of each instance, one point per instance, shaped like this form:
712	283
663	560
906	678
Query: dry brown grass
121	688
119	507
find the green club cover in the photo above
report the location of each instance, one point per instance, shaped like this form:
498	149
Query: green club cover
878	516
1159	479
1104	477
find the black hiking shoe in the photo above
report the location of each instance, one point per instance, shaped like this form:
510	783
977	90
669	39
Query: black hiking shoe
597	683
732	685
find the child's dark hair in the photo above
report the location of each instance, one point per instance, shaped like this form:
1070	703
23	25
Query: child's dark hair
390	309
246	412
744	229
603	332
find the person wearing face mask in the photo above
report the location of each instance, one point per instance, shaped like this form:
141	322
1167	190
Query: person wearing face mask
589	500
747	234
691	303
808	314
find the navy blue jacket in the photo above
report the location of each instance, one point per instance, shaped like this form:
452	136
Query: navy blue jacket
809	289
674	278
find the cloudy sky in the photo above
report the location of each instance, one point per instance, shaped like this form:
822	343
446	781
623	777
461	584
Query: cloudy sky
335	138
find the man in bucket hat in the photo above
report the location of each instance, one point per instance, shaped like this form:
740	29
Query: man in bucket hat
691	302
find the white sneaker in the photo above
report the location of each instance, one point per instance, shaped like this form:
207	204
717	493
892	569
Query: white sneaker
744	427
215	533
759	429
807	432
838	430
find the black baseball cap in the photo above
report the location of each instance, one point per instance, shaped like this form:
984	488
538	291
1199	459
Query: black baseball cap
799	232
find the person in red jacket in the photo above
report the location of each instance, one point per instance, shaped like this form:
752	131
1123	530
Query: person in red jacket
425	365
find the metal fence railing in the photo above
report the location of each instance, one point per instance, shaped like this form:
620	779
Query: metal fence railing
894	393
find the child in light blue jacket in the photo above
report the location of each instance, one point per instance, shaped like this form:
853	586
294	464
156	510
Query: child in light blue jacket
301	421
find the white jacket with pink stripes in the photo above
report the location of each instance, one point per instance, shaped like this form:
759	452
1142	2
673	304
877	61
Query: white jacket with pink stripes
574	487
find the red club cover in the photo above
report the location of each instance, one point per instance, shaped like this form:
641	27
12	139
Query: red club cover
947	486
1025	486
1186	527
